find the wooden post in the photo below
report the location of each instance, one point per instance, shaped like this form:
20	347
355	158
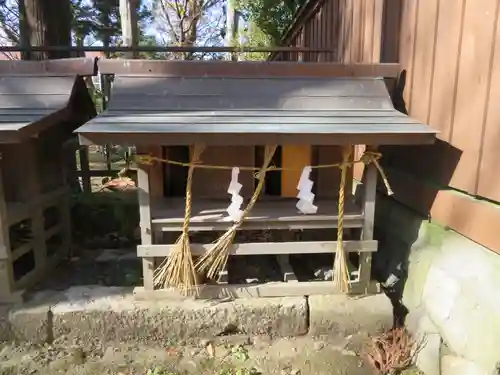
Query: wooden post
6	275
83	153
65	208
34	190
369	196
145	224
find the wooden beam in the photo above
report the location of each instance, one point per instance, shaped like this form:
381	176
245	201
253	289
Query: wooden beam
251	69
72	67
275	289
325	247
262	225
96	173
249	139
17	212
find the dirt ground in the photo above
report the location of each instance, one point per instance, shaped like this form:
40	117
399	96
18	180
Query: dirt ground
231	355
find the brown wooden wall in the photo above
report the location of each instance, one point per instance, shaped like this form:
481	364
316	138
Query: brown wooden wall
353	38
451	51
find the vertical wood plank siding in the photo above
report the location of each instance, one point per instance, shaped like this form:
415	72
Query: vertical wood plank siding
451	52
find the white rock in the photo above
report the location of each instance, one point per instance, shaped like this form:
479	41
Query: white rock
440	294
428	355
453	365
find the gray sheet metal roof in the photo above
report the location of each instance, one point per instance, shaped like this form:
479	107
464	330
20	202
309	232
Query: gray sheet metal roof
25	100
256	108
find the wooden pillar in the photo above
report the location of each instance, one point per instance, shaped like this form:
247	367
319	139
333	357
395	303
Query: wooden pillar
34	190
83	153
369	196
6	274
65	208
145	224
149	186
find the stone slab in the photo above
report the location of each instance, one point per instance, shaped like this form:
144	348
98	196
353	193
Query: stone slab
342	315
429	354
114	314
454	365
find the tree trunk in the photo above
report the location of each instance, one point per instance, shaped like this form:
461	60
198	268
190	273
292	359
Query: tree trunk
232	26
189	26
130	28
45	23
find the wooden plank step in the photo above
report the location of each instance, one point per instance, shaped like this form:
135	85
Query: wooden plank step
275	289
278	213
267	248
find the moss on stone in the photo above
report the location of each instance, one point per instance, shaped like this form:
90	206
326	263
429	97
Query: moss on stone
437	233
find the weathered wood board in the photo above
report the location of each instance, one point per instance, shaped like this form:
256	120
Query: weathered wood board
212	183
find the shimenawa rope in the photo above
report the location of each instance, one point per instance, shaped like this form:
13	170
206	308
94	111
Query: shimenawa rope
341	271
178	268
215	259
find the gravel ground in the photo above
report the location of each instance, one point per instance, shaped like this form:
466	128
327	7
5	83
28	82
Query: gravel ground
230	355
238	355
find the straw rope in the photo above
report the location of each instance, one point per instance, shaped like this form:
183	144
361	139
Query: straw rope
367	158
215	259
178	269
341	271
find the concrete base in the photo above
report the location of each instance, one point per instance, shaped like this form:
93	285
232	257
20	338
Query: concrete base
109	314
87	314
342	315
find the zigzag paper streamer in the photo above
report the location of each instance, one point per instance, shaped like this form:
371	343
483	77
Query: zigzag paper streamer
234	209
305	194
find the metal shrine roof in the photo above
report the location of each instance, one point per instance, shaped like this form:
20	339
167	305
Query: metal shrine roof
26	101
243	110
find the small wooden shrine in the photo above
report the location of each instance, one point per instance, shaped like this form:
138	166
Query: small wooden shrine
270	119
41	103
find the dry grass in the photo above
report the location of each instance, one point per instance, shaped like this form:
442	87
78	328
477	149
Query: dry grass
391	352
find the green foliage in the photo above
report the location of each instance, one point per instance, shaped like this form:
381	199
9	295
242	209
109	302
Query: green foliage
238	371
105	21
98	19
272	17
105	215
159	371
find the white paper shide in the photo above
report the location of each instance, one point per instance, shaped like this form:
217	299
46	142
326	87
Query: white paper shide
305	194
234	209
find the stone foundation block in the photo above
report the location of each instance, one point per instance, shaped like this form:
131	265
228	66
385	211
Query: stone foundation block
341	315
